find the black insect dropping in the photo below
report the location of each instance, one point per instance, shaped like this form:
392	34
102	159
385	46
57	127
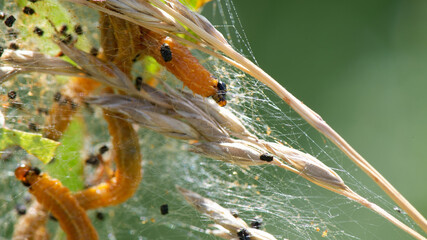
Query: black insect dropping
21	209
33	1
94	51
164	209
78	29
100	216
10	21
11	94
166	52
103	149
243	234
13	46
57	97
266	157
38	31
33	127
28	11
93	160
2	15
138	83
1	51
68	38
256	223
63	30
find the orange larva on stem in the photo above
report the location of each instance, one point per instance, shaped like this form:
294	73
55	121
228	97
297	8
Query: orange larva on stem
179	61
58	200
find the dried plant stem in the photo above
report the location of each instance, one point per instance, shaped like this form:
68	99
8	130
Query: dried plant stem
347	192
305	112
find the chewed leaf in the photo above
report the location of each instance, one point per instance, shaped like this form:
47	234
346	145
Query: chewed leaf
68	167
33	143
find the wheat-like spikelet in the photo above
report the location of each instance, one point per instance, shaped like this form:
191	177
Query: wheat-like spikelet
227	226
22	61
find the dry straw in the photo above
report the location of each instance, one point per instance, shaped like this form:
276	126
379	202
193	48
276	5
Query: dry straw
174	13
22	61
228	226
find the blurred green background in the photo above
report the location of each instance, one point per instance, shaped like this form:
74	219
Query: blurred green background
362	65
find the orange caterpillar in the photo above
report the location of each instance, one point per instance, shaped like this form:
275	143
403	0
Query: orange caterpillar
118	40
128	174
179	61
64	108
57	199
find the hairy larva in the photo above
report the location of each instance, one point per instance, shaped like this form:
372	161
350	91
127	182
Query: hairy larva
58	120
58	200
128	174
60	114
178	60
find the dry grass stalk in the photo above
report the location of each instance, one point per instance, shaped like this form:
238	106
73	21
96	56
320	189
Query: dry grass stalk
227	226
147	115
23	61
102	71
139	12
197	19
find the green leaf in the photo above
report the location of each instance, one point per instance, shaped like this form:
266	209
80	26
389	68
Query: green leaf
49	12
191	4
68	166
195	5
35	144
